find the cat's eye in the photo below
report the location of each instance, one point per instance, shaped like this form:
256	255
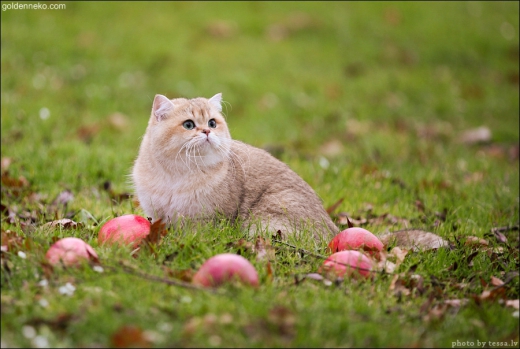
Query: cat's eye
212	123
188	125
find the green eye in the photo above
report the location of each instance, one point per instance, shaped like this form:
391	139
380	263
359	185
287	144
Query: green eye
212	123
188	125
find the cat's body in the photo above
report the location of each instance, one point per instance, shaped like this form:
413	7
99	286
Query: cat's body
188	166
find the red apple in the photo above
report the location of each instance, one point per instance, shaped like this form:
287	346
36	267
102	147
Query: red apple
347	263
223	268
127	229
70	251
354	239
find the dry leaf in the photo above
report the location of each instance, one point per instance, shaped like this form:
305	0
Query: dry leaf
413	239
334	206
5	163
129	336
63	223
63	198
16	183
477	135
475	241
513	303
496	281
263	249
157	231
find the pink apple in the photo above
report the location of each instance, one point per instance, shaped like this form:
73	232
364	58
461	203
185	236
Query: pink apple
355	239
224	268
127	229
347	263
70	251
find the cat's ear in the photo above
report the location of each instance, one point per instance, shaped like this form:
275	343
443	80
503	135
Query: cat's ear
161	107
216	101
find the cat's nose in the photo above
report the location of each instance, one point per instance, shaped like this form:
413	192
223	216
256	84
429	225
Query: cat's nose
206	131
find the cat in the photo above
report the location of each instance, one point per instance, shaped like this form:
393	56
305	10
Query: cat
189	167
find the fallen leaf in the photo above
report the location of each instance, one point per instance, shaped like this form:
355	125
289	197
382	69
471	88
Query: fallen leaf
63	198
475	241
496	281
283	319
15	183
263	249
63	223
413	239
314	276
513	303
477	135
129	336
157	232
5	163
456	302
334	206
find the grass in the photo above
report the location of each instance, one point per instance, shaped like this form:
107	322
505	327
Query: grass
366	101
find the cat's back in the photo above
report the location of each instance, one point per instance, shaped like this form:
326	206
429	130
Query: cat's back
271	188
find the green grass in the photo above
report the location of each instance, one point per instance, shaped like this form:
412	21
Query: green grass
366	101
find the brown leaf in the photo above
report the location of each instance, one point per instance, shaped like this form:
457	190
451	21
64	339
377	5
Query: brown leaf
496	281
16	183
334	206
12	241
413	239
157	231
129	336
490	295
283	319
61	322
263	249
242	244
86	132
475	241
63	223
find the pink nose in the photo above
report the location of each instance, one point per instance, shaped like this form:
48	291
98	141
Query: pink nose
206	131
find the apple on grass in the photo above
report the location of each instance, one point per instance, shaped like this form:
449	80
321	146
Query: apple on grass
70	252
347	263
127	229
355	239
225	268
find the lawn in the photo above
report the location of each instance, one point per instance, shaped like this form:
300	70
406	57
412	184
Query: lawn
404	114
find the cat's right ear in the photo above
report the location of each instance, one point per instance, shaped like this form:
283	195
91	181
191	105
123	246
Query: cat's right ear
161	107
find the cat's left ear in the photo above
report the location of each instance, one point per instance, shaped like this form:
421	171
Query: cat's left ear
216	101
161	107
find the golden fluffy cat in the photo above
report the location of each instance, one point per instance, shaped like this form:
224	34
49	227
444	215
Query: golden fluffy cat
188	166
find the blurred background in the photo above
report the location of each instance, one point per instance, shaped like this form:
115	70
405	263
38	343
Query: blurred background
348	82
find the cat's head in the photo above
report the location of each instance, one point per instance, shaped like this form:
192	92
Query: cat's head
191	133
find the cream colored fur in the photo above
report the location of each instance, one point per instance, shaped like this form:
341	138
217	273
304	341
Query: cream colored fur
202	173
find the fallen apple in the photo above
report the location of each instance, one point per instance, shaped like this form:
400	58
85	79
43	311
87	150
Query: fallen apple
347	263
224	268
355	239
70	251
127	229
